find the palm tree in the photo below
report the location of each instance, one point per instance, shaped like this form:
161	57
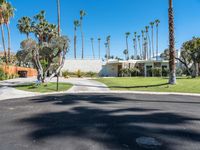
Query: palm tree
9	13
99	42
139	43
157	22
149	41
59	57
143	32
82	14
2	4
152	37
106	47
135	44
92	42
58	13
76	24
24	26
127	36
125	52
145	48
172	65
108	42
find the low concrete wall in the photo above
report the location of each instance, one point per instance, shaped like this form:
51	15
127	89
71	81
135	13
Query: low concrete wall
83	65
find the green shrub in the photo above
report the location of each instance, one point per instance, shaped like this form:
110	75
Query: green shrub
124	72
91	74
157	72
79	74
2	74
65	74
179	72
165	72
134	72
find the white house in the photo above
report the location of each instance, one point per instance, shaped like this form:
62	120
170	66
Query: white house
112	67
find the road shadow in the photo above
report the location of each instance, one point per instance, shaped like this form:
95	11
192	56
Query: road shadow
115	127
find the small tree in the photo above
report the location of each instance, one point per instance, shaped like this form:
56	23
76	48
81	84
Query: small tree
48	48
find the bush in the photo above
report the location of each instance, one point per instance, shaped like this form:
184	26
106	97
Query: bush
2	74
165	72
179	72
134	72
65	74
124	72
6	76
79	74
91	74
157	72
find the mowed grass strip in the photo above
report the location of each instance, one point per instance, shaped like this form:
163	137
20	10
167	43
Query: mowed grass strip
44	88
184	85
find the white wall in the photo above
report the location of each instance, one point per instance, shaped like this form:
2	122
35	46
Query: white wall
110	70
83	65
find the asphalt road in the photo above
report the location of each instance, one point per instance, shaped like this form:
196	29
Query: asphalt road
99	122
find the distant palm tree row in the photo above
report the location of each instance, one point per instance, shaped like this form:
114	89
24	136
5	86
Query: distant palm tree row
146	46
6	13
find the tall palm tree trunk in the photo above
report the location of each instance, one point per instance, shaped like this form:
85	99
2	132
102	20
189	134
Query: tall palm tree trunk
9	42
152	41
139	43
58	11
172	65
99	49
143	47
157	42
59	57
108	49
127	47
3	42
82	37
75	37
147	47
93	49
143	54
150	52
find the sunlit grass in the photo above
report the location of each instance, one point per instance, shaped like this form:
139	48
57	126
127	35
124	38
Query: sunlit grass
44	88
184	85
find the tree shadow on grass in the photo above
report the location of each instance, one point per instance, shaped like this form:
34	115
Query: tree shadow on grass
142	86
114	127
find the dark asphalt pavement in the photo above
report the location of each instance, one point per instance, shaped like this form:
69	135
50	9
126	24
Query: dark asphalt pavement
99	122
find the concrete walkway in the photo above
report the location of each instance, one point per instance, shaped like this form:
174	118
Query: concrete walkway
85	85
7	91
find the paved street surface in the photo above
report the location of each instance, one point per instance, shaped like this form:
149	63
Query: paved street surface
99	122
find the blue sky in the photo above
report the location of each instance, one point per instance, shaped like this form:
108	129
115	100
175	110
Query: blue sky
112	17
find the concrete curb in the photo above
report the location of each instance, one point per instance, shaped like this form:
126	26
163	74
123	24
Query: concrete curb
135	92
106	92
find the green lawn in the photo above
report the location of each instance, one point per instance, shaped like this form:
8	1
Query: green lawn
184	85
44	88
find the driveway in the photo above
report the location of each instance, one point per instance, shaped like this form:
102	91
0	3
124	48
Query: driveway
7	91
85	85
100	122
